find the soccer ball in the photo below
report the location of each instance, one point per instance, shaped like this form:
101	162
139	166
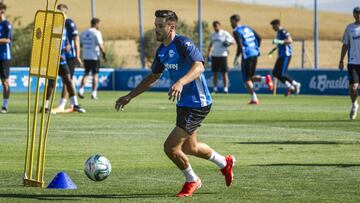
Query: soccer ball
97	167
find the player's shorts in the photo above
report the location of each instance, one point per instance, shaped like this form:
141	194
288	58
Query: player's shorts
248	67
189	119
219	64
353	73
72	64
281	66
91	65
64	70
4	69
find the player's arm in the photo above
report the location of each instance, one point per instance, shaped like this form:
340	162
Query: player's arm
195	71
237	38
287	38
7	34
344	48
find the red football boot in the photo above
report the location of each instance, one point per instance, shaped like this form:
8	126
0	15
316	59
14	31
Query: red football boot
189	188
227	171
254	102
269	82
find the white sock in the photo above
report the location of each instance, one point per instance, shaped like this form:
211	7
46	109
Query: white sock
74	101
263	79
62	103
94	93
81	91
254	97
294	83
226	89
217	159
215	89
355	104
5	103
288	85
47	102
190	175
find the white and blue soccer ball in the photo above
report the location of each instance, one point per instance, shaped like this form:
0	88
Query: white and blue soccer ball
97	167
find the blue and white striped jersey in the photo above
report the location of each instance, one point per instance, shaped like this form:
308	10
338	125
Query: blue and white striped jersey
283	49
248	41
71	33
178	58
5	32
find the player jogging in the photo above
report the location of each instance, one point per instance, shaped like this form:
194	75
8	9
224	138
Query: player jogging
64	72
72	56
283	42
351	46
185	64
5	56
218	53
248	43
92	43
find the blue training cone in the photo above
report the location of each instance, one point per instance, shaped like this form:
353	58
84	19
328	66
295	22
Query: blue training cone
62	181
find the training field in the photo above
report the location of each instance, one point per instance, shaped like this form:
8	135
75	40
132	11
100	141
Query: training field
297	149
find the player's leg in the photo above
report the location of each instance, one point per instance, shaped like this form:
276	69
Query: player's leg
353	73
4	75
224	72
215	70
258	78
87	67
49	92
248	74
95	82
66	79
294	83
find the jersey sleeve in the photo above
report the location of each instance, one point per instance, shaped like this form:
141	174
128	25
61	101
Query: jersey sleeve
189	51
72	29
229	38
346	38
8	31
99	38
156	66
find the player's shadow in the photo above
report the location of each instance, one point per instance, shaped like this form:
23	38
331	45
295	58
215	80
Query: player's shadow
297	142
73	197
309	165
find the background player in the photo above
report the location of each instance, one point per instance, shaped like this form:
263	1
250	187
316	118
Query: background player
351	45
248	43
64	72
218	53
5	56
283	41
72	56
92	43
184	62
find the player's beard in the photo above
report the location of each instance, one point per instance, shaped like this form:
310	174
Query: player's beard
161	37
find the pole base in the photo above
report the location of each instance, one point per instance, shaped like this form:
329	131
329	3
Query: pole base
32	183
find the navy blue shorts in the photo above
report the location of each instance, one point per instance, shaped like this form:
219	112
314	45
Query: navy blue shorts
189	119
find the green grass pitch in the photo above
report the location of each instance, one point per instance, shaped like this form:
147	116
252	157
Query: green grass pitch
297	149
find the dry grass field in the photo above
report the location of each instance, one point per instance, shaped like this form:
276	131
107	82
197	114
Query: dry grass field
120	17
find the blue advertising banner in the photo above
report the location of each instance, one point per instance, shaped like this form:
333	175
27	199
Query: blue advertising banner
318	82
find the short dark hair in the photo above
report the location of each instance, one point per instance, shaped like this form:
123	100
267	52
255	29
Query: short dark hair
356	9
216	23
2	6
167	14
94	21
275	22
235	18
62	6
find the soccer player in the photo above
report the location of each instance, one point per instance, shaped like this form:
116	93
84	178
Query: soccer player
73	56
92	44
248	43
64	72
218	52
351	45
185	63
283	42
5	56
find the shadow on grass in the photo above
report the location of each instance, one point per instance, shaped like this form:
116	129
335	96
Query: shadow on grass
65	197
310	165
294	142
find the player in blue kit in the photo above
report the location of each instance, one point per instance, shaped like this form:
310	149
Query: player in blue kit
5	56
248	46
185	64
283	42
72	56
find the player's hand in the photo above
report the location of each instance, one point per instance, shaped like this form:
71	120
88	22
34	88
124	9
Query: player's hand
121	102
104	57
236	62
79	61
341	65
175	91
